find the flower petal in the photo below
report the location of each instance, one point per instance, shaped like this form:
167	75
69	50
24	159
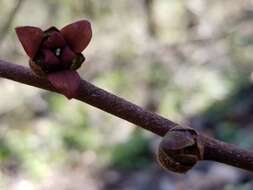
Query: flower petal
77	35
55	40
30	38
67	56
50	30
66	82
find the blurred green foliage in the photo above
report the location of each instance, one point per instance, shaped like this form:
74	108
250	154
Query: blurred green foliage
133	154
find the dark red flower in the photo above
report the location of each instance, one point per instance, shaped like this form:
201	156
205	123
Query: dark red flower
56	54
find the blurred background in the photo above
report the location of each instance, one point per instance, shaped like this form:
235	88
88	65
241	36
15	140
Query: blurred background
188	60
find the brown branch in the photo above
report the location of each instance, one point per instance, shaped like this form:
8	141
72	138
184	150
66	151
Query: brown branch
213	149
151	20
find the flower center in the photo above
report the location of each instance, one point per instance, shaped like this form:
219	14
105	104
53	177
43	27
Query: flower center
58	52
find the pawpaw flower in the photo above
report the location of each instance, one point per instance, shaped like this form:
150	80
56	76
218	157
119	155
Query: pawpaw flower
56	54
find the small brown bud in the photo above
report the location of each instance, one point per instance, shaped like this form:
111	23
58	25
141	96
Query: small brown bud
180	149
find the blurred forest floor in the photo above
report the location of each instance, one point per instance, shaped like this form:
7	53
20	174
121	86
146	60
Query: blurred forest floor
188	60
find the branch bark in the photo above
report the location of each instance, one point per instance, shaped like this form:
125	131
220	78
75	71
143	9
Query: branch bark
214	150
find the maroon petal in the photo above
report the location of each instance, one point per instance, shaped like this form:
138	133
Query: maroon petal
30	38
55	40
66	82
67	55
77	35
50	58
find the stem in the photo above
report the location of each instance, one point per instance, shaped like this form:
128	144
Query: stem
228	154
213	149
